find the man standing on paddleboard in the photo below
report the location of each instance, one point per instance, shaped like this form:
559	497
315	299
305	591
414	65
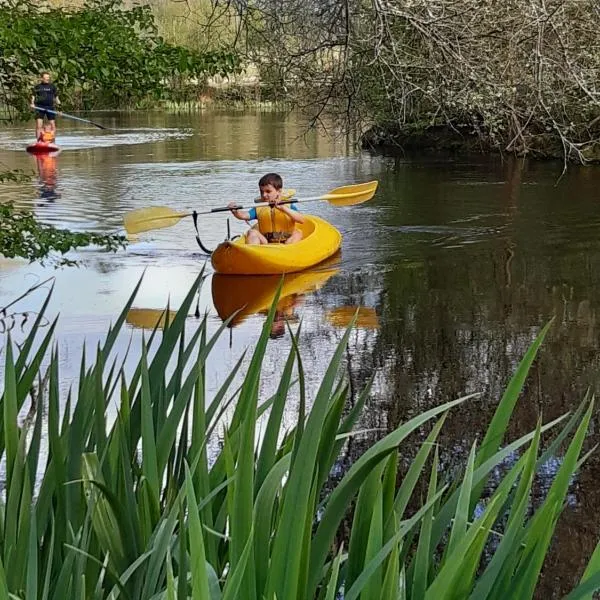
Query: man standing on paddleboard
43	101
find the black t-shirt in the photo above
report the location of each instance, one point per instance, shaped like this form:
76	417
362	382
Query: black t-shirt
45	94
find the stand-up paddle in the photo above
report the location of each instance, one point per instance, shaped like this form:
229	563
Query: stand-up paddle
67	116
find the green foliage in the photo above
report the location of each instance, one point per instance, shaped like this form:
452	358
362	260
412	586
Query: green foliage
145	505
14	176
515	76
100	55
23	237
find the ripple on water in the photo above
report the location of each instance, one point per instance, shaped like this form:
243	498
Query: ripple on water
75	139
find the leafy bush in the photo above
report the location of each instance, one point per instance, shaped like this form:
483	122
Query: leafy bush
101	54
22	236
146	507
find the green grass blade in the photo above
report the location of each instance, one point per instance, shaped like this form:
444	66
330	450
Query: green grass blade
114	331
30	339
149	455
3	584
361	526
196	540
332	585
497	428
168	431
592	568
285	568
509	548
459	527
243	490
11	428
585	590
420	580
372	589
263	518
374	564
480	475
414	472
539	531
344	492
267	455
171	587
234	587
31	590
391	581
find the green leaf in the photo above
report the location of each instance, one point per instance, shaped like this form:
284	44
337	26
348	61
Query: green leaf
196	540
423	557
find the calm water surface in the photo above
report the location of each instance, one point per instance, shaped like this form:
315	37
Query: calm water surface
458	263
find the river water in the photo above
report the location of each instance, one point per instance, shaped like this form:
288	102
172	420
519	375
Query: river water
457	264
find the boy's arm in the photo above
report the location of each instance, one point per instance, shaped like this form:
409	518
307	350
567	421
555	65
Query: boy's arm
56	98
290	212
242	215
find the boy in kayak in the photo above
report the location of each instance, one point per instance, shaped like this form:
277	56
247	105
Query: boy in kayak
277	221
44	97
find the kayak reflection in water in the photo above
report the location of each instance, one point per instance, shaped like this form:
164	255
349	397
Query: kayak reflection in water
47	173
277	221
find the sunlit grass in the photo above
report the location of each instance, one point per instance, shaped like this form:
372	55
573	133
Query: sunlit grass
138	509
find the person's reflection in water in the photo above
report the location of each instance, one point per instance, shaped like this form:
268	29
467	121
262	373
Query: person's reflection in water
284	313
47	173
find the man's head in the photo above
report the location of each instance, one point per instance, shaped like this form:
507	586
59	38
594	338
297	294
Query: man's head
270	186
45	77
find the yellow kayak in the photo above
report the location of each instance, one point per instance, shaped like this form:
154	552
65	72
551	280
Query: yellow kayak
320	241
250	294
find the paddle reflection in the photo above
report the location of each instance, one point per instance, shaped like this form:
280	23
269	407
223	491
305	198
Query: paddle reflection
149	318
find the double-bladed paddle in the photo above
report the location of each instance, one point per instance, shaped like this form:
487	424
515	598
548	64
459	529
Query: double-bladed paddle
157	217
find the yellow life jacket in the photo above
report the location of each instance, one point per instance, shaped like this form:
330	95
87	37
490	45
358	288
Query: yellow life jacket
47	136
272	220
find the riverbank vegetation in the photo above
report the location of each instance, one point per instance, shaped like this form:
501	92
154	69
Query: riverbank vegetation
101	53
171	493
438	75
22	236
518	77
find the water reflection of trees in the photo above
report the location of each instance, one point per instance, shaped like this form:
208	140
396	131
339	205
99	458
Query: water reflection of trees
458	321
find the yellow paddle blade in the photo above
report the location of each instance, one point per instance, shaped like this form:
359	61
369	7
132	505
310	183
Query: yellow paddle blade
153	217
348	195
148	318
343	315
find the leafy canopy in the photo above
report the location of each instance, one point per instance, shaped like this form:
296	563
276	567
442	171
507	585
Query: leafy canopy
101	54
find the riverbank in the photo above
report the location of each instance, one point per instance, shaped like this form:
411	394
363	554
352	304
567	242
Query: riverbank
465	140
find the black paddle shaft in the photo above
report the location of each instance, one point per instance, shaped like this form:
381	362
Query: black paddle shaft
226	208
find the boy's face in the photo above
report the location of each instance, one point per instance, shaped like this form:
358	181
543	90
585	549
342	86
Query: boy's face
268	193
46	78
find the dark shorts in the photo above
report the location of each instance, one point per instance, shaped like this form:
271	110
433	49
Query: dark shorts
277	237
43	112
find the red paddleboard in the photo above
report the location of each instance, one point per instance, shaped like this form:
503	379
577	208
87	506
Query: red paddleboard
42	147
